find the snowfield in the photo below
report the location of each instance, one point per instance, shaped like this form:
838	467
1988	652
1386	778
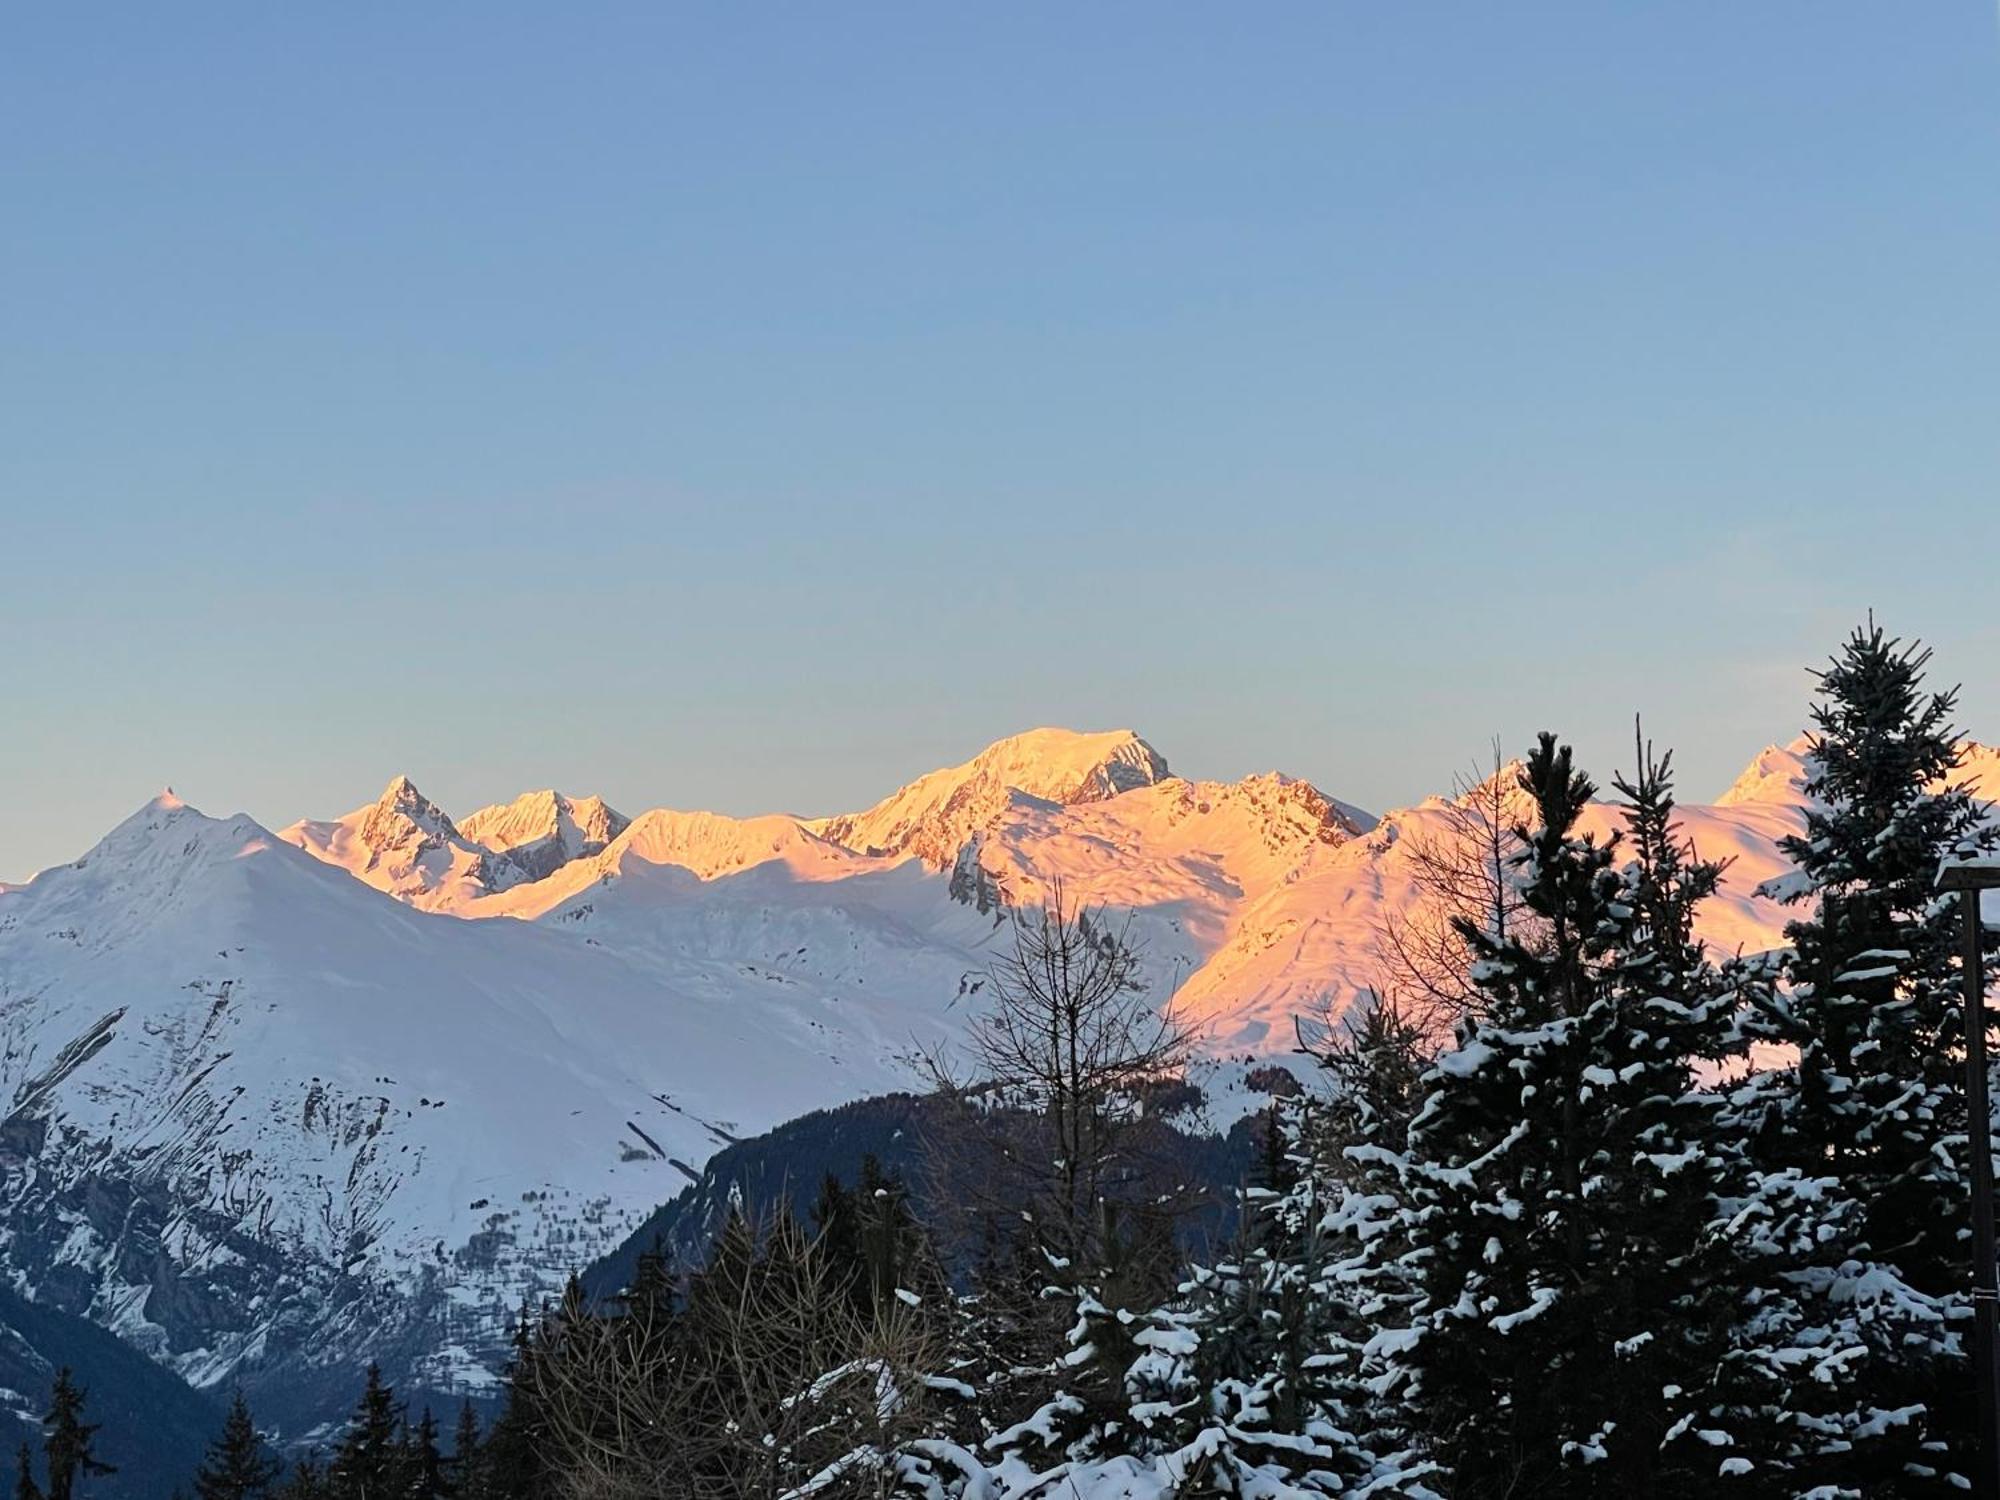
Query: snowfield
279	1103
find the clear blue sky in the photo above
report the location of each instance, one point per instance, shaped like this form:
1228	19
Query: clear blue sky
749	406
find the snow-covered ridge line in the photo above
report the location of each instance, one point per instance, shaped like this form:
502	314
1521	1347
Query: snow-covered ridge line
278	1098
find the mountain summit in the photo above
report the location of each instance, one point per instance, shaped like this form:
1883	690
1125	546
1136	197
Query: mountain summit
405	846
408	847
935	815
540	832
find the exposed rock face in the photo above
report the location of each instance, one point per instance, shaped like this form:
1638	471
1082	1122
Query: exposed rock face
542	831
403	820
405	846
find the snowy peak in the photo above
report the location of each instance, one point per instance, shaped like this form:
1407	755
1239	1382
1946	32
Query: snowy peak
712	845
542	815
406	846
1777	774
403	815
161	866
156	822
935	815
540	832
1195	847
663	845
138	830
1503	788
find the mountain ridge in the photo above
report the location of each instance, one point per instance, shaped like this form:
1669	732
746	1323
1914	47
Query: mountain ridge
272	1105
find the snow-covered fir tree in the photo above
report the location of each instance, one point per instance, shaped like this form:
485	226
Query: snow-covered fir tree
1558	1173
1851	1375
1281	1326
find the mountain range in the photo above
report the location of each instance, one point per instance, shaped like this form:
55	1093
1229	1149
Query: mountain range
279	1103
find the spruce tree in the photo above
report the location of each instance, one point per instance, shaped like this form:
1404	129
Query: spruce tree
370	1460
1849	1368
1005	1339
1272	1354
1352	1146
238	1466
424	1464
1558	1170
890	1238
1874	977
1274	1172
69	1443
1108	1392
652	1283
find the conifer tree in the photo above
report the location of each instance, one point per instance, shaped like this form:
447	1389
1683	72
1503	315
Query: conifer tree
1005	1332
424	1463
238	1466
25	1487
465	1454
1849	1368
837	1222
511	1465
307	1481
649	1307
1558	1169
1874	977
1351	1146
370	1460
1275	1170
69	1443
890	1241
1271	1351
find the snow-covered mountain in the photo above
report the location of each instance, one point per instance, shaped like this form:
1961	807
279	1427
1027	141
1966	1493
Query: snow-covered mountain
543	831
405	845
263	1119
280	1103
934	815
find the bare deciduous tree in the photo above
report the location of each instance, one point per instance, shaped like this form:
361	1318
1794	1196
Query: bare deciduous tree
1068	1049
1461	870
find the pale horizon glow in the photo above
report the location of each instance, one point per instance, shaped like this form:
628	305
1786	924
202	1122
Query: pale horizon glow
752	412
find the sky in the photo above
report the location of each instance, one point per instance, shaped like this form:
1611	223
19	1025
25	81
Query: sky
753	406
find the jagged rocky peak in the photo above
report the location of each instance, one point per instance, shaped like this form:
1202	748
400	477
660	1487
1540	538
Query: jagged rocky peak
934	815
542	831
545	814
1288	804
407	846
402	814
